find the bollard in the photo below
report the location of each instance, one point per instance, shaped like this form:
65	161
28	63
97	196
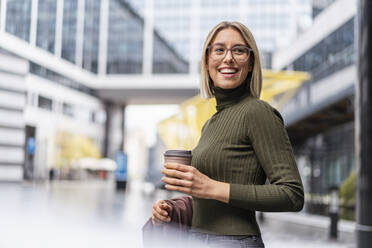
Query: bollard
333	212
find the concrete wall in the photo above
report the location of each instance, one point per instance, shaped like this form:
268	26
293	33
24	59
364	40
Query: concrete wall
12	126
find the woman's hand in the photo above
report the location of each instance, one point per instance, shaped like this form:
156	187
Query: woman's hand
189	180
160	212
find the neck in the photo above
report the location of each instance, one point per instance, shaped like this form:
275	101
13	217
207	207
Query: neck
228	97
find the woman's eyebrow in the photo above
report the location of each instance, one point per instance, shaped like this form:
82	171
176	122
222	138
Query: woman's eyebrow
223	44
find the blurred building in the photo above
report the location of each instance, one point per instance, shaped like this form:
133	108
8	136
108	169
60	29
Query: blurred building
52	53
186	23
69	67
12	125
138	153
320	5
320	116
156	162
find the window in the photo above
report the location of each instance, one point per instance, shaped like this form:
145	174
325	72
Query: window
46	24
45	103
68	109
91	35
332	54
60	79
69	30
18	18
125	40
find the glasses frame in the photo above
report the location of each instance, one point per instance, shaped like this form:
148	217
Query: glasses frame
232	55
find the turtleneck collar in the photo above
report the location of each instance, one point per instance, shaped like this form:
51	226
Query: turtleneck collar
228	97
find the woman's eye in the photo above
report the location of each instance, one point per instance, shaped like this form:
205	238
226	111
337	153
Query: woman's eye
238	50
219	50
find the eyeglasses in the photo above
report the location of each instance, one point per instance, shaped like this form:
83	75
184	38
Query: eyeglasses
239	53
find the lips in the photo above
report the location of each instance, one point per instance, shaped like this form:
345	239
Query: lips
228	72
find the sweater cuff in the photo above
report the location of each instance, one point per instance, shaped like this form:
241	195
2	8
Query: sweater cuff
240	195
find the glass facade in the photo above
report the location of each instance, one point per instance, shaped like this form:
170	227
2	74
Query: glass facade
125	39
137	5
330	159
270	20
46	24
91	35
172	24
166	4
221	3
69	30
320	5
166	59
59	79
329	155
18	18
172	21
332	54
208	21
175	29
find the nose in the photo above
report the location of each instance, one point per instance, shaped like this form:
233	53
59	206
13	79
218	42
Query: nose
228	56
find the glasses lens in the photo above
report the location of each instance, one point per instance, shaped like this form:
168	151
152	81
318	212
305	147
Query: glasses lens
239	53
217	52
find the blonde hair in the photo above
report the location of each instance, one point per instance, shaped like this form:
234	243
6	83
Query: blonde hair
255	83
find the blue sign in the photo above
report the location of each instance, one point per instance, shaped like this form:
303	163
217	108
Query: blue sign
121	173
31	145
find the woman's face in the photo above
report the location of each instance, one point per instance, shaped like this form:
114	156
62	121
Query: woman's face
228	73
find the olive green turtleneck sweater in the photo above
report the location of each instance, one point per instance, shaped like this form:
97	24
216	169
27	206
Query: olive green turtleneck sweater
244	143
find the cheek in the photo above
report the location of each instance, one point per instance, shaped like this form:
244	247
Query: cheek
212	68
245	72
210	65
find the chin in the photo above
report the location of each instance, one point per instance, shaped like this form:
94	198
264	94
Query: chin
228	85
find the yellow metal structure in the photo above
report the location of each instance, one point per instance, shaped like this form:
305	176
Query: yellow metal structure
182	131
71	147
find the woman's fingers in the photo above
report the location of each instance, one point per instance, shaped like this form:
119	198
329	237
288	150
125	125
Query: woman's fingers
160	213
159	217
185	190
175	181
179	167
160	207
187	179
173	173
189	175
167	207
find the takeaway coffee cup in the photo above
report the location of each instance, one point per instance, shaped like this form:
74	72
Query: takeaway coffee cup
178	156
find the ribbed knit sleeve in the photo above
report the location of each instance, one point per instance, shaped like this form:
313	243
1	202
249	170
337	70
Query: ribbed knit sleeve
271	145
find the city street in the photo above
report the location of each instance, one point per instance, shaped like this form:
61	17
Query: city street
92	214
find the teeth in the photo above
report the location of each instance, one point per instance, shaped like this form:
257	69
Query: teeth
228	71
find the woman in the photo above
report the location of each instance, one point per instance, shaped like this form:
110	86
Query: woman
241	145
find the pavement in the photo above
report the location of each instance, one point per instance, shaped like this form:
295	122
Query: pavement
304	230
93	214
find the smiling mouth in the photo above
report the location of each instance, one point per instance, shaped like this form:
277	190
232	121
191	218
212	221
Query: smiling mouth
228	72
